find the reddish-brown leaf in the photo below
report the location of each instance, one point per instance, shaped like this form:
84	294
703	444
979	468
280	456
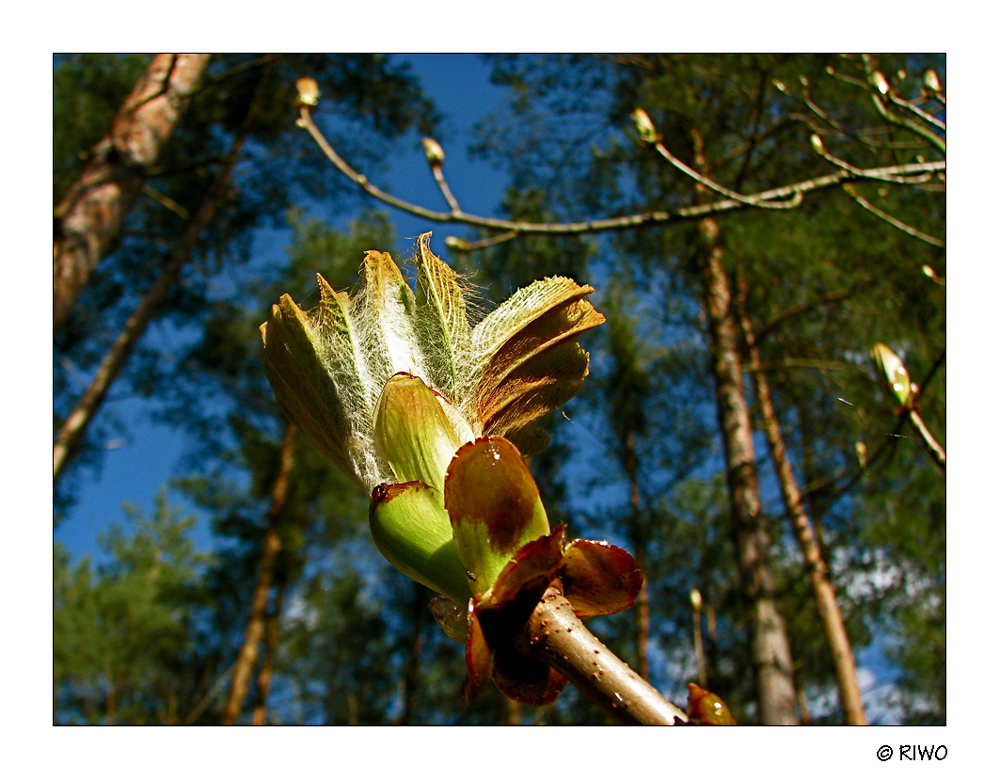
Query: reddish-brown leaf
529	571
478	662
599	578
494	507
525	679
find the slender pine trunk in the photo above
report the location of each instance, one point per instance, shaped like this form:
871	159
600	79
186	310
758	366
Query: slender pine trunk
642	622
770	649
73	427
513	715
271	630
89	218
816	567
247	657
411	670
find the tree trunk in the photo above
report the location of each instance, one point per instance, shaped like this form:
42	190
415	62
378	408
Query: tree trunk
712	651
109	704
513	716
247	657
271	628
818	572
411	670
642	622
72	429
770	649
88	221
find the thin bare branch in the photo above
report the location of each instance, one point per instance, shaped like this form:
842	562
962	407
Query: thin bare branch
166	201
854	475
910	106
847	79
794	202
614	223
908	229
461	245
914	127
820	365
445	189
802	308
820	149
936	450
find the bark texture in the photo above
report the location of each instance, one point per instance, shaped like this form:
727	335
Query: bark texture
89	219
816	567
75	424
247	657
264	677
642	620
770	649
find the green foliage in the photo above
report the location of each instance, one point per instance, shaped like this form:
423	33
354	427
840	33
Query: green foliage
125	629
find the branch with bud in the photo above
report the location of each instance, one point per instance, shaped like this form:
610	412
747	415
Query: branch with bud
432	415
896	380
925	126
785	197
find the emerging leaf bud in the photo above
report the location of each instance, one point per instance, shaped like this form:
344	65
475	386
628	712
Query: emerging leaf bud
880	82
308	92
931	82
434	152
456	244
817	144
417	431
696	599
707	709
894	374
929	272
411	529
645	127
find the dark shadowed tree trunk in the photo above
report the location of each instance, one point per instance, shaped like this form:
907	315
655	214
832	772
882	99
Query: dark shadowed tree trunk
247	658
264	677
89	219
642	623
410	679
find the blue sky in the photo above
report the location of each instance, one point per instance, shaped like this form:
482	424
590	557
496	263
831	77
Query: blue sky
137	466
